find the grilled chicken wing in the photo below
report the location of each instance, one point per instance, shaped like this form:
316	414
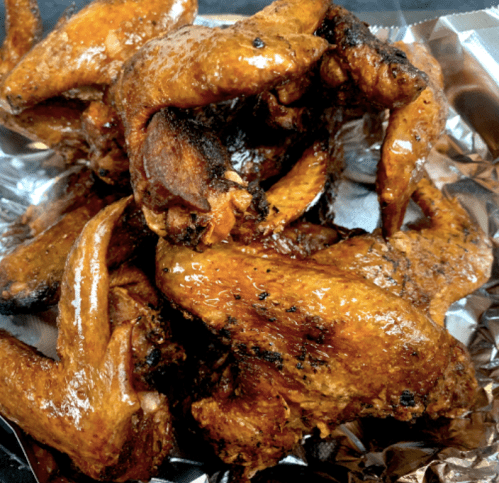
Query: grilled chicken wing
89	48
337	338
411	134
381	72
432	267
31	273
88	404
193	67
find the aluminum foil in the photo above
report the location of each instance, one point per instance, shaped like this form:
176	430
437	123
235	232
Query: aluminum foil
464	165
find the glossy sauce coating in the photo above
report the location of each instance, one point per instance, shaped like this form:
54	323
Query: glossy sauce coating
432	267
86	404
197	65
23	26
90	48
334	345
411	134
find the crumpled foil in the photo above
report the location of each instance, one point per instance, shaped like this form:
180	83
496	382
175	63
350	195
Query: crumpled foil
463	165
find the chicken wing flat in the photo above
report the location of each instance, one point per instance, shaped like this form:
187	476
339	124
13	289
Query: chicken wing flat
87	404
411	134
318	346
90	48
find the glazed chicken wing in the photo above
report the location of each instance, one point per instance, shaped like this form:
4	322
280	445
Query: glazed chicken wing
92	404
337	340
432	267
100	38
412	132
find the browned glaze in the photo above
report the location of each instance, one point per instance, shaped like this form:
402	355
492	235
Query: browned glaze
317	346
90	48
133	296
31	282
412	132
196	66
381	72
432	267
23	26
86	404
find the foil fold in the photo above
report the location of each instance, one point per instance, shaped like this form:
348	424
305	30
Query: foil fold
465	165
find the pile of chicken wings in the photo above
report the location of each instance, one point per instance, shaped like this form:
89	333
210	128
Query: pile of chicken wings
190	247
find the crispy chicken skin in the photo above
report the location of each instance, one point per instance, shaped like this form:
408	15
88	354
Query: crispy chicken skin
103	132
86	404
132	296
333	345
31	282
348	331
196	66
101	37
411	134
432	267
291	195
381	72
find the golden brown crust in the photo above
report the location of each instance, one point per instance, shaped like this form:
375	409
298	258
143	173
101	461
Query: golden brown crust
86	405
411	134
319	331
380	71
432	267
196	66
31	273
23	26
102	36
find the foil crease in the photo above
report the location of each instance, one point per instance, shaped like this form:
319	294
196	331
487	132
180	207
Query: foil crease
464	164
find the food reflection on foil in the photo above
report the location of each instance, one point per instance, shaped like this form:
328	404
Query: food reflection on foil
461	164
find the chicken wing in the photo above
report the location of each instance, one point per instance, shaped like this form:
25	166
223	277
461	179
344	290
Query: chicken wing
31	273
196	66
381	72
87	404
337	339
432	267
411	134
89	48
